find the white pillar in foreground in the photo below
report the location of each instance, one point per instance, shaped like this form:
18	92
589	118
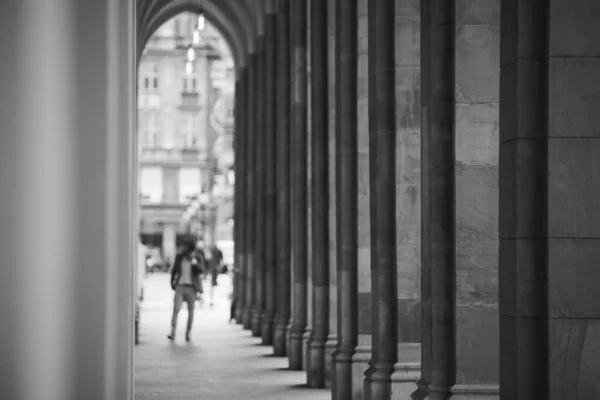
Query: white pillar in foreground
67	185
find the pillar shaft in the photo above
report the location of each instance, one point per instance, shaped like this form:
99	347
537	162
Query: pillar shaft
68	172
283	181
320	192
382	103
346	196
299	182
240	183
332	215
236	200
250	165
259	225
437	204
270	184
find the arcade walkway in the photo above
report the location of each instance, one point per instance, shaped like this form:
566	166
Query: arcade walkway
222	362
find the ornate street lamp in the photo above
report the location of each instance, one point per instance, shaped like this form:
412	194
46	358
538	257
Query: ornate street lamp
190	57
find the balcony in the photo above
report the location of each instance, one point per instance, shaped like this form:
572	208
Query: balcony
165	43
175	156
190	99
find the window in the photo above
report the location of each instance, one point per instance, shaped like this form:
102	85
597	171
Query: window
177	27
189	183
151	130
155	76
149	75
189	84
151	185
189	136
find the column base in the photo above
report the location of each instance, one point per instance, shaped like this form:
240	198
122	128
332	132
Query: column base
289	338
280	338
256	323
391	382
403	380
239	314
476	392
306	339
427	391
330	345
295	351
316	372
360	363
247	318
342	385
266	330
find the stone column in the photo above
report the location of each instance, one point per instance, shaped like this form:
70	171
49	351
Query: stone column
320	193
259	226
270	193
308	333
240	192
362	356
408	195
168	242
438	352
331	342
549	214
382	141
250	189
283	157
236	200
68	170
299	158
346	195
477	56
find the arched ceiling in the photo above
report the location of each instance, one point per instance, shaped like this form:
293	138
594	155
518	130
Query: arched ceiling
239	21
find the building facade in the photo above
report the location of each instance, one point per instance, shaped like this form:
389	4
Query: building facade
184	134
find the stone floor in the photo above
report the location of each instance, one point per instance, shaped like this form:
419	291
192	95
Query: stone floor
223	362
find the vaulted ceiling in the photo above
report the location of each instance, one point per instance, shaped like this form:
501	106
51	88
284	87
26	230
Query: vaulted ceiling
239	21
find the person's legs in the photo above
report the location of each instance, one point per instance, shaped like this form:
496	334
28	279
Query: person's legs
190	299
232	309
177	301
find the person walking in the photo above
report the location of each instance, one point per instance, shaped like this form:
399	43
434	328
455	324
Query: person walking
184	277
214	260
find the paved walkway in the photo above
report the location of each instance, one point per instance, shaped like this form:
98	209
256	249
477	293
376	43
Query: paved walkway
223	362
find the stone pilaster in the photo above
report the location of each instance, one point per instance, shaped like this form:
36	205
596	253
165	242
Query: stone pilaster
270	201
259	226
362	356
408	196
308	333
250	189
346	195
331	342
283	156
320	193
299	182
477	55
438	352
549	214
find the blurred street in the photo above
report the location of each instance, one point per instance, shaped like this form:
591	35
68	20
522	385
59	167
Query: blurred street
221	362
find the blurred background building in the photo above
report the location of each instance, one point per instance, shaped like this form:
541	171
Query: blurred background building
185	135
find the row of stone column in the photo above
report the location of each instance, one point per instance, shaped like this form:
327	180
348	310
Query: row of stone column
368	235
